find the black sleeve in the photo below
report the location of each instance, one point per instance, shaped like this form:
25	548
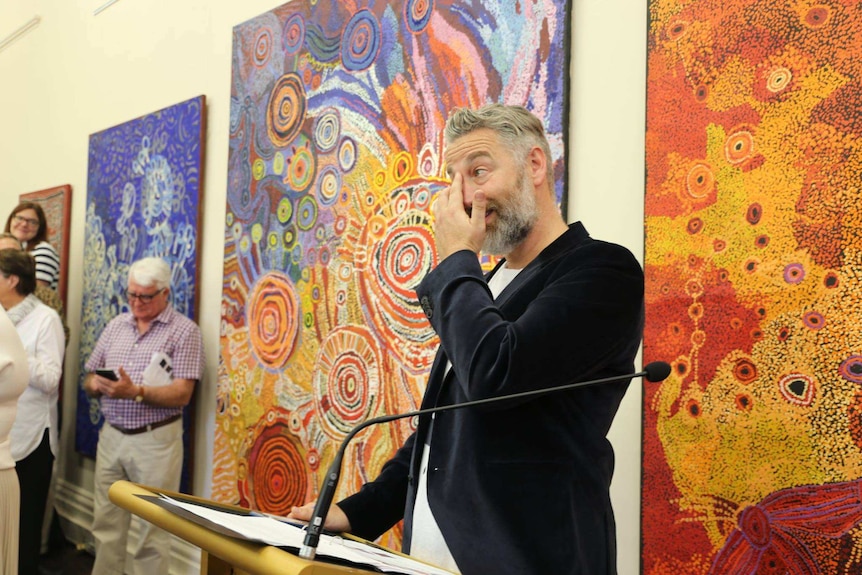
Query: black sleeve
380	504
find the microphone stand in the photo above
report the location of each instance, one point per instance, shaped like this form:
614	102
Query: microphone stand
654	372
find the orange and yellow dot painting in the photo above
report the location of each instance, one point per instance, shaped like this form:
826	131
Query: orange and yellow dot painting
752	453
336	119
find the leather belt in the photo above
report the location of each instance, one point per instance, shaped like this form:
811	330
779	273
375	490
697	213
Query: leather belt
149	426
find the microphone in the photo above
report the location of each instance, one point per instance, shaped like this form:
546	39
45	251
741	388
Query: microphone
653	372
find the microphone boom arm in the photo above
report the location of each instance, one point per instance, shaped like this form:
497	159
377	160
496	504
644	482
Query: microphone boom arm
655	371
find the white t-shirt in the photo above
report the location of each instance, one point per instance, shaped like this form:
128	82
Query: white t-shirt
427	542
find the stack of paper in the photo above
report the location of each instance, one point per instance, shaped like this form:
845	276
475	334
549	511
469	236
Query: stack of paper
282	533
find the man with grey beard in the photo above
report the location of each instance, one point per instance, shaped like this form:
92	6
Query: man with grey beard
522	486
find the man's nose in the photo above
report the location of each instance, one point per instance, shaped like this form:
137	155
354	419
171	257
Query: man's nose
468	191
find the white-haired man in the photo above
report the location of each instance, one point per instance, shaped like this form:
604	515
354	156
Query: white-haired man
156	356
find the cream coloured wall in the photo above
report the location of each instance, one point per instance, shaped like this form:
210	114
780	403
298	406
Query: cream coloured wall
606	176
76	74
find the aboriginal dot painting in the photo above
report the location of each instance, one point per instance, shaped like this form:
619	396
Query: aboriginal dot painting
143	199
752	453
337	110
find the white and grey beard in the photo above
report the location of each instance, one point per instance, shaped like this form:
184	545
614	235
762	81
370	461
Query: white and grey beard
515	219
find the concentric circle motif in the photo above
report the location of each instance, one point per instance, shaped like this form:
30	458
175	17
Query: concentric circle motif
402	203
272	319
284	210
739	147
328	185
346	379
286	110
817	16
401	166
340	224
778	79
428	163
313	458
278	163
360	41
327	130
422	198
794	273
745	371
258	169
676	30
262	47
694	226
379	179
400	253
347	154
293	36
754	213
417	14
754	525
797	388
289	238
851	369
306	213
278	478
700	181
301	168
814	320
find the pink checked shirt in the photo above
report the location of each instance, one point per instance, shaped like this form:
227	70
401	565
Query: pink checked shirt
120	345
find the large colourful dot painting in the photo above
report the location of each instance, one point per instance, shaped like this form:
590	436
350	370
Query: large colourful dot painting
336	119
753	447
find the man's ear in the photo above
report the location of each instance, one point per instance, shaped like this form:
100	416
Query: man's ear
14	280
538	165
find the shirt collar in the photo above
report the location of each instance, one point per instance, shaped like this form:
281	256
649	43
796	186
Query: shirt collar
164	317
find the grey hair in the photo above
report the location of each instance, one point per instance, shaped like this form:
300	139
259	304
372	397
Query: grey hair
517	128
10	237
151	272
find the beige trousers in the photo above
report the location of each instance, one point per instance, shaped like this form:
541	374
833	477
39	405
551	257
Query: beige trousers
152	458
10	500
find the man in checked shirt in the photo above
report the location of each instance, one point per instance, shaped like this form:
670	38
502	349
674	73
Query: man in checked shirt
157	356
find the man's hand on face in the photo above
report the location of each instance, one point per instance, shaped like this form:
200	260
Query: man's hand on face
454	228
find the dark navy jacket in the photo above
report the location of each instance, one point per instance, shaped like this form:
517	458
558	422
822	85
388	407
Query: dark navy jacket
520	487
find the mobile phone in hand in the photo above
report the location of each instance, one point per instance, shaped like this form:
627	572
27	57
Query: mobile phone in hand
108	374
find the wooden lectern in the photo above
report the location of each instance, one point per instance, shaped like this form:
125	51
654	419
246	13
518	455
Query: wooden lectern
220	554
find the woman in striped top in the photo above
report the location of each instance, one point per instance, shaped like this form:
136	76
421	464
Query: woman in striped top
27	222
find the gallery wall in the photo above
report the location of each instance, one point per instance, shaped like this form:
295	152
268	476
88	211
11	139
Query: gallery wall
77	73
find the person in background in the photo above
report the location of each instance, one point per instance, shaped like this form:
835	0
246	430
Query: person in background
52	299
27	222
520	487
45	294
156	354
14	375
33	437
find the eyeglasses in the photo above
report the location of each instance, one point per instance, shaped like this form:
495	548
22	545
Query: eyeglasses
142	297
23	220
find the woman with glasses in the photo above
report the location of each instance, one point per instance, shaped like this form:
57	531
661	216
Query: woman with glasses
27	222
33	438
